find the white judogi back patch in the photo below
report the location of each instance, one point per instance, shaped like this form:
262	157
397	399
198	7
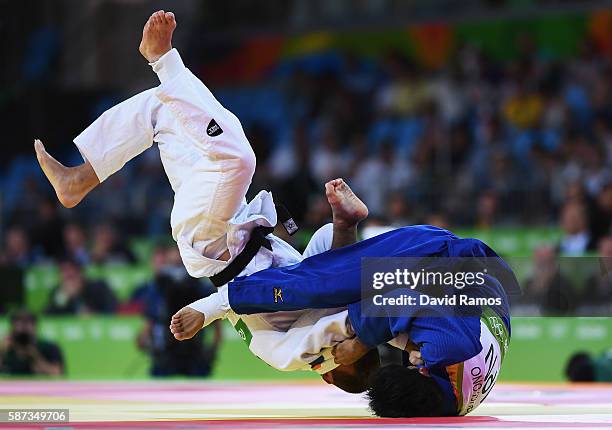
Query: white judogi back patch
474	378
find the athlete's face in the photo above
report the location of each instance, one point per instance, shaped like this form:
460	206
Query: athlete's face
344	370
353	378
345	377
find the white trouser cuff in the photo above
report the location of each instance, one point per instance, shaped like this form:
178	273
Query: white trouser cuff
168	65
214	306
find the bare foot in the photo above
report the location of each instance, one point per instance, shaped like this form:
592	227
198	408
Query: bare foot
186	323
347	208
71	184
157	35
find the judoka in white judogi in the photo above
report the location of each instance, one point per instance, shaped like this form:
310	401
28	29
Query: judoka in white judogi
209	163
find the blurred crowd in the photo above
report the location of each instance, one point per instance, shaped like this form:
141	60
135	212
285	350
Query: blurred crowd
477	143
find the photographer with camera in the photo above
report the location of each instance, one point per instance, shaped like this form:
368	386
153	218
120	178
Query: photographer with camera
23	353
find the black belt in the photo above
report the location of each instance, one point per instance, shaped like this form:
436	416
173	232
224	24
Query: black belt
256	242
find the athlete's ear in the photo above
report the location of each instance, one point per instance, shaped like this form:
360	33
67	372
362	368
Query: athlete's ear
328	377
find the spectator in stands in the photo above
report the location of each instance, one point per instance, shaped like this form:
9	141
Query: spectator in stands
380	175
328	160
601	216
107	249
438	219
548	289
486	210
76	295
75	243
47	231
398	210
574	192
296	182
524	107
141	295
576	239
171	289
23	353
585	367
318	213
598	289
17	250
405	92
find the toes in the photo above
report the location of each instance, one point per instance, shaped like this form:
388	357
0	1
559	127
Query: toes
38	146
170	17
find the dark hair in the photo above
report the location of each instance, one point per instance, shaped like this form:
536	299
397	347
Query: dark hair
401	392
68	260
23	314
357	381
580	368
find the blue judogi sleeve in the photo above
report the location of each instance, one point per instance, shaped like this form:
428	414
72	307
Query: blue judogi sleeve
333	278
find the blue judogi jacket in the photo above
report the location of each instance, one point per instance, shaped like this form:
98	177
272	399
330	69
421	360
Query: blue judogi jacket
333	279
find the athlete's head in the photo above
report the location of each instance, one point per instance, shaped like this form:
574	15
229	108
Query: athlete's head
400	392
354	378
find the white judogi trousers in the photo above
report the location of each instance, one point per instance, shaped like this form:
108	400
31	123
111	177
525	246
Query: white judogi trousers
209	163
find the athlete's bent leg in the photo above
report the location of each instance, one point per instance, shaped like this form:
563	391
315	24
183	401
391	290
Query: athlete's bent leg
118	135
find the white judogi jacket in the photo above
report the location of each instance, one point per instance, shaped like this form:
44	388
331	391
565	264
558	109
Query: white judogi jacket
210	163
